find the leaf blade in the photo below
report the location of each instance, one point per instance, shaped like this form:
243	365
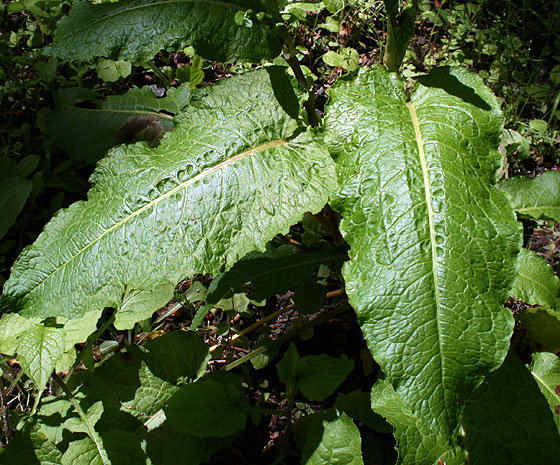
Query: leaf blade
137	29
211	192
411	188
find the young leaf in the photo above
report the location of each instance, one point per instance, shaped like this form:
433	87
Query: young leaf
433	243
546	371
536	283
507	421
31	447
538	198
329	438
135	30
226	181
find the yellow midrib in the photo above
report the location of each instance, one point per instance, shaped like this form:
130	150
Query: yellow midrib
428	196
159	199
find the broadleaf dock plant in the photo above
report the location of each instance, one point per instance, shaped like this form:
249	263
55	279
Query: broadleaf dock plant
433	252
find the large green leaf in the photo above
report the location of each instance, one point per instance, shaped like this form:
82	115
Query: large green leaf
228	179
38	349
138	29
537	198
433	243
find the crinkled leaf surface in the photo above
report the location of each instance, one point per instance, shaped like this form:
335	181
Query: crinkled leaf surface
546	371
538	198
225	182
329	438
507	421
138	29
31	447
417	442
433	243
536	283
87	133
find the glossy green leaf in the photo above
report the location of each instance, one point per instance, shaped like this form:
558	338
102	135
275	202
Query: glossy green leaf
214	406
14	192
433	243
140	305
546	371
538	198
225	182
136	30
507	421
330	438
536	283
417	442
87	133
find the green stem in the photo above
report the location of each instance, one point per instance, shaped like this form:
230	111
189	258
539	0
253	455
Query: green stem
400	28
